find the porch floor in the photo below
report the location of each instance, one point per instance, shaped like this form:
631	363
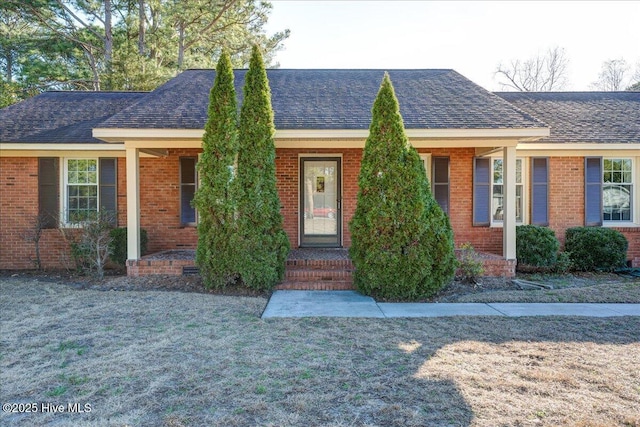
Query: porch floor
306	268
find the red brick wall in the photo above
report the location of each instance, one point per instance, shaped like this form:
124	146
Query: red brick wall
18	211
160	204
566	194
287	173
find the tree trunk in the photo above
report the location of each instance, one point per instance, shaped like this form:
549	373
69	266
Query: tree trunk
141	26
108	34
9	59
180	46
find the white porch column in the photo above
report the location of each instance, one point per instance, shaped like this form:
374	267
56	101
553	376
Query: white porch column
133	203
509	203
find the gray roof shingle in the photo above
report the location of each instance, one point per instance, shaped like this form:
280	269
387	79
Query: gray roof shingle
333	99
589	117
61	117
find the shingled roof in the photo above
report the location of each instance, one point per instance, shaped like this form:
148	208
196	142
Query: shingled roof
333	99
601	117
61	117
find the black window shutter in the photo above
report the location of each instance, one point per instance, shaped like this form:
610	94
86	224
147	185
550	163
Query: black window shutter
481	191
187	189
440	182
48	191
108	182
593	191
540	191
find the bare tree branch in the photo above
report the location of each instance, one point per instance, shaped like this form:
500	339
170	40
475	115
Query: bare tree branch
612	75
539	74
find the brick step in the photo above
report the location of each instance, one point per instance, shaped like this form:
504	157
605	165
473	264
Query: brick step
319	264
316	286
317	275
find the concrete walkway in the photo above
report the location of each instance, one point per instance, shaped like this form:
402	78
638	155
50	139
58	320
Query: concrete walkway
354	304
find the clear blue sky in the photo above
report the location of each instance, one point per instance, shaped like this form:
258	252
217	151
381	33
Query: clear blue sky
470	37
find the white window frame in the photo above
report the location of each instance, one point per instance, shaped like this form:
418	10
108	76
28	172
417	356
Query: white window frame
426	158
64	182
525	190
195	190
634	190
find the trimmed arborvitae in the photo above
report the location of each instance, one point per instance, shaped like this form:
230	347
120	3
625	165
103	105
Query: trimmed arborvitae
216	255
402	243
261	239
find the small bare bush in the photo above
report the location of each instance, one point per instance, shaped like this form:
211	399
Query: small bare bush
90	247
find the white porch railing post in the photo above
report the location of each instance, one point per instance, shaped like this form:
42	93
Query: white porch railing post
509	203
133	203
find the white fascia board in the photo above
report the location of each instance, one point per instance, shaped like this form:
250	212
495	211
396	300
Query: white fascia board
121	135
127	134
518	133
578	149
551	146
59	147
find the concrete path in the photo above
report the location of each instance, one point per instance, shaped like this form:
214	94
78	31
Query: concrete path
354	304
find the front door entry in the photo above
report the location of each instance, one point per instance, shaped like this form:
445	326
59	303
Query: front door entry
320	204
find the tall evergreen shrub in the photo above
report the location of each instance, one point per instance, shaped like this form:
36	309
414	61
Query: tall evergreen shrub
216	255
402	242
263	243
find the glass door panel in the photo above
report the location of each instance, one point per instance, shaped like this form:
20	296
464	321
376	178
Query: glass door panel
320	220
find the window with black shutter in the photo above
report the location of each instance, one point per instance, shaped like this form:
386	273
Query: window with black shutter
187	190
540	191
48	191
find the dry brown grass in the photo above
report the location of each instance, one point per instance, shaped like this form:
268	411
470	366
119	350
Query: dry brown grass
188	359
567	288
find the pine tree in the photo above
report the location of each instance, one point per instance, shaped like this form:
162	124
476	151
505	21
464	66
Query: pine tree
399	233
216	254
263	243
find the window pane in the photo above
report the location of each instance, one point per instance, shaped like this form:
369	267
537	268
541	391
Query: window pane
497	171
519	208
519	171
617	190
187	170
496	203
82	188
187	212
617	202
617	177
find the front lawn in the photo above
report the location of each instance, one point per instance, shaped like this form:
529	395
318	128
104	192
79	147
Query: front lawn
191	359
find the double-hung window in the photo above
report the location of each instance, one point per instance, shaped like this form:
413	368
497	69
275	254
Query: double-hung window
89	187
617	189
497	191
82	189
437	169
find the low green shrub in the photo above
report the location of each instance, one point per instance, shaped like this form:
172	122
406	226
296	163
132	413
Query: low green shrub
470	266
536	246
563	263
118	246
596	248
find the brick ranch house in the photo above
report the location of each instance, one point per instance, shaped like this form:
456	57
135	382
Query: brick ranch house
495	160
